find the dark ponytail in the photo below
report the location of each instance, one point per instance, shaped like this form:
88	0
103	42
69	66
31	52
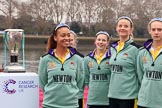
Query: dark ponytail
51	42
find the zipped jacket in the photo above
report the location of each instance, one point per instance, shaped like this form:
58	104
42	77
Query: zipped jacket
124	81
150	77
97	77
61	82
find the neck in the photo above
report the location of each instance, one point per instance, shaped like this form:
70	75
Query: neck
61	51
124	38
156	44
98	51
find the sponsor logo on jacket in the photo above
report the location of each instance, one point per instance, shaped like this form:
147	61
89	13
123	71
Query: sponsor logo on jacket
117	68
154	75
62	78
99	77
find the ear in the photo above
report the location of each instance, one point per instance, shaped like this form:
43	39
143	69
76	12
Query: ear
149	30
132	29
54	37
116	28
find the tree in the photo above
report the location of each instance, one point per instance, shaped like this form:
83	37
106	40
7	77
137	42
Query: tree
8	8
73	11
75	27
39	10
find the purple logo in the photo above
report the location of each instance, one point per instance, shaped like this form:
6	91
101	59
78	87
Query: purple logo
6	86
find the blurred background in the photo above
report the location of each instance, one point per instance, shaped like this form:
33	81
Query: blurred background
85	17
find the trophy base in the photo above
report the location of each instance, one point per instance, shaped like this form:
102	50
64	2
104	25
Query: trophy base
15	69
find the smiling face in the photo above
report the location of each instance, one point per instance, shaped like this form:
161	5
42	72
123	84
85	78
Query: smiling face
124	28
101	42
155	30
73	41
62	37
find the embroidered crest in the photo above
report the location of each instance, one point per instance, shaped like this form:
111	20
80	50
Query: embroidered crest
90	64
125	55
144	59
107	63
51	65
72	65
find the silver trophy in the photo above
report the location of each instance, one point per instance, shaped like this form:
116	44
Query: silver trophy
14	41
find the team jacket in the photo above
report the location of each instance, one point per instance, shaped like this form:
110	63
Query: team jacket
97	77
150	77
124	81
61	82
81	91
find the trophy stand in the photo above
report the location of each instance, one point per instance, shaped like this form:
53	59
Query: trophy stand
17	86
13	41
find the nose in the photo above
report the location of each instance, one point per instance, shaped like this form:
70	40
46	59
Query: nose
67	37
156	31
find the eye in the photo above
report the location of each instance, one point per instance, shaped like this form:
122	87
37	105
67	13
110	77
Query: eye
103	40
159	29
120	26
68	35
71	39
126	26
63	35
153	29
98	39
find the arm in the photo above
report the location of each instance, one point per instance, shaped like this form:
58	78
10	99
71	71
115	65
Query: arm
80	73
42	73
140	69
86	70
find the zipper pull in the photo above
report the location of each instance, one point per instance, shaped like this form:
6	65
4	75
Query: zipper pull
99	68
152	64
62	68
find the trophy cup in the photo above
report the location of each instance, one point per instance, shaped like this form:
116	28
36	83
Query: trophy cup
14	41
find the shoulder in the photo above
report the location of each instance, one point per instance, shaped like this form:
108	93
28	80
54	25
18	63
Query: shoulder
79	54
136	45
74	51
44	56
142	49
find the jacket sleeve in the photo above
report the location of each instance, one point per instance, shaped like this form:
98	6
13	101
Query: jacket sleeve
80	73
42	73
140	69
86	70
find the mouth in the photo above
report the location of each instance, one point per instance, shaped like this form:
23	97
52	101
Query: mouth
156	36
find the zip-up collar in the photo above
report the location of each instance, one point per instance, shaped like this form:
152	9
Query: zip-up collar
148	44
107	55
115	44
72	52
92	54
126	43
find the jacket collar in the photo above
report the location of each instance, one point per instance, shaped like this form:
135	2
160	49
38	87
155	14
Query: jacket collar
72	51
126	43
108	53
148	44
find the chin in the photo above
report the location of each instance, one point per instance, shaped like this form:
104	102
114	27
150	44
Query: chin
156	39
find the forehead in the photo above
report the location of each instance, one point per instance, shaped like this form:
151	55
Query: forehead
156	24
63	30
102	36
123	21
72	36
